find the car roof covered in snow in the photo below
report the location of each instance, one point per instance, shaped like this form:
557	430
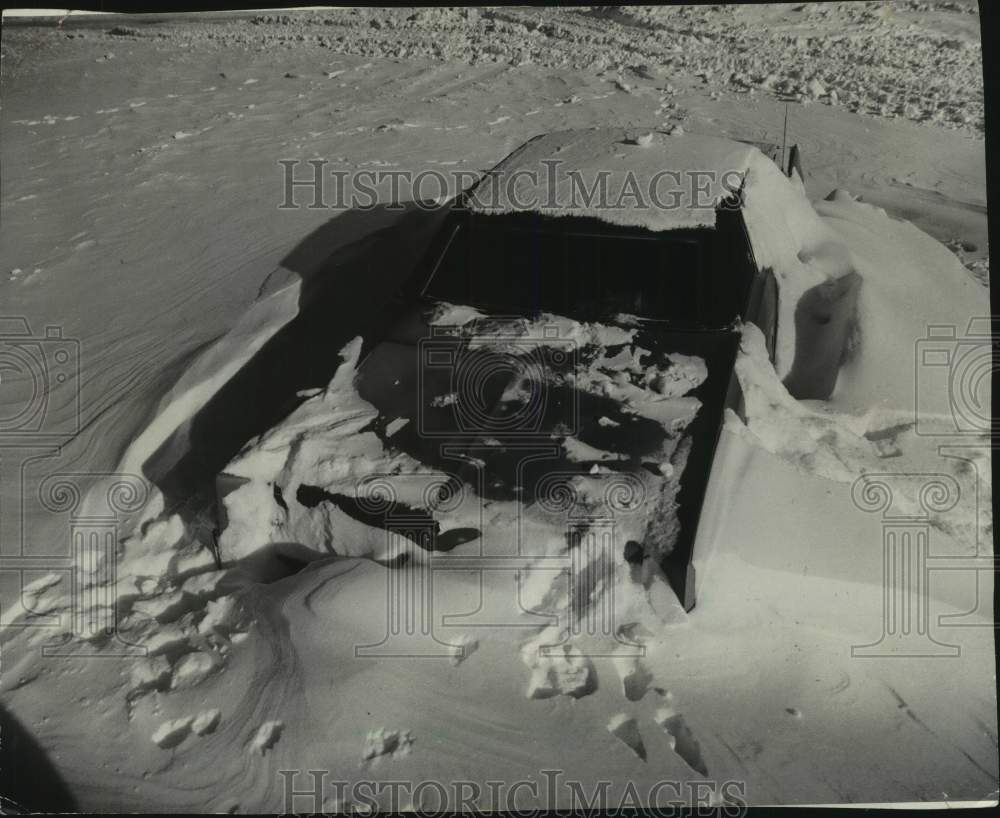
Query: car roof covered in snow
652	179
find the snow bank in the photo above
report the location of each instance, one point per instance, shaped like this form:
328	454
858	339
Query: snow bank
811	458
910	282
906	281
821	443
212	369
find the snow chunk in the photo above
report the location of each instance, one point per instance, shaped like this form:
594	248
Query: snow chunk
204	584
562	671
171	733
447	399
382	742
686	372
267	736
192	669
150	672
453	315
206	721
222	615
166	640
395	425
579	452
152	554
463	647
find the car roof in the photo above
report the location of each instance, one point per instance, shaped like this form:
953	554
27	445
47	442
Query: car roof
664	169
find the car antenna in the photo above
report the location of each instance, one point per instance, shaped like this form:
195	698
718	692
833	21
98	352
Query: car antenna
784	135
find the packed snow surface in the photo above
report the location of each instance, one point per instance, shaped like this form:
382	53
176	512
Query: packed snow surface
775	679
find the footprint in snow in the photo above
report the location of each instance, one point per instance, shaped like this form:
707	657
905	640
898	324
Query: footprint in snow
682	739
624	727
633	674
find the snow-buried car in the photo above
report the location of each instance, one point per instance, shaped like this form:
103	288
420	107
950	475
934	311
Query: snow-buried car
544	377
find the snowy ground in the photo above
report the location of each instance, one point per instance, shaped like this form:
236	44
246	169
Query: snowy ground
141	184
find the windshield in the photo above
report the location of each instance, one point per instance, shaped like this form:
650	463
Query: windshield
576	267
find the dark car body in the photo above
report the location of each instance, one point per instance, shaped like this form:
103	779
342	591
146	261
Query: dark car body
690	287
